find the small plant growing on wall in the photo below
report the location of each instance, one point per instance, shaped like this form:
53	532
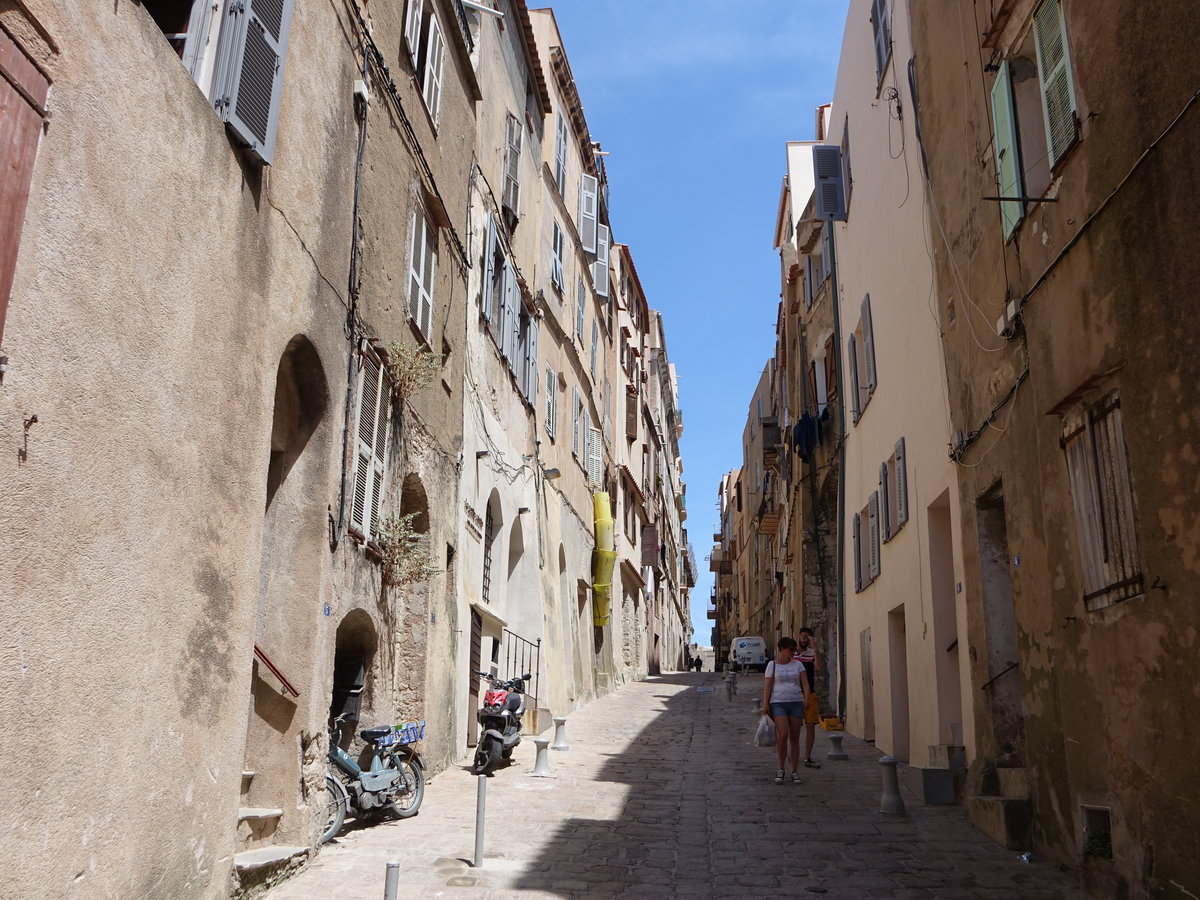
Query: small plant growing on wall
411	369
404	552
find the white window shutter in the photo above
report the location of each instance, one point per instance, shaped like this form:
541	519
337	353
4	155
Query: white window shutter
512	164
869	345
852	354
830	192
374	396
508	340
901	485
858	580
885	522
580	307
250	72
1054	75
556	257
595	464
587	212
560	154
822	396
412	30
882	28
422	253
489	263
551	402
1008	155
435	58
531	362
576	416
873	533
595	345
600	269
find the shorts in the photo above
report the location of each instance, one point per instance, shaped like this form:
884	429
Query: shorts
812	715
792	708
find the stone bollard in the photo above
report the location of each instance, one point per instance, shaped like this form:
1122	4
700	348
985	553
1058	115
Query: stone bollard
890	801
730	685
391	884
560	734
541	767
837	752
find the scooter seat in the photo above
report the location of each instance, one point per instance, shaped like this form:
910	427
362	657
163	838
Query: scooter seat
373	734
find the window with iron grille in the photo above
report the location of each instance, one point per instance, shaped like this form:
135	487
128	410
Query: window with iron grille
1094	443
489	536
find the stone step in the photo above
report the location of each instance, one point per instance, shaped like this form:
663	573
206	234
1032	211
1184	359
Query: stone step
1006	820
253	812
250	860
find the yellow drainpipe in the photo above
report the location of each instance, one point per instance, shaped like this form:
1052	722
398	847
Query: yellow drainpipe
606	558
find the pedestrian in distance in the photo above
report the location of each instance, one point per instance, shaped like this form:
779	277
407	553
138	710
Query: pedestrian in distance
810	657
698	663
785	690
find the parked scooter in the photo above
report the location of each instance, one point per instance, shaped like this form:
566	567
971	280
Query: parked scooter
499	721
394	783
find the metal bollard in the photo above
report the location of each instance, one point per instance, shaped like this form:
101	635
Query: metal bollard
890	801
480	805
560	734
541	767
837	752
392	884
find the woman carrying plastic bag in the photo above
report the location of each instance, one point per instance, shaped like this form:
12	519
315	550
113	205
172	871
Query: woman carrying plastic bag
785	691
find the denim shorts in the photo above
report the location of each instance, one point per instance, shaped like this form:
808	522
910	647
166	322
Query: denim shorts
793	708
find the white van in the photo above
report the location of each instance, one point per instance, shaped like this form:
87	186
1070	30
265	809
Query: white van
748	653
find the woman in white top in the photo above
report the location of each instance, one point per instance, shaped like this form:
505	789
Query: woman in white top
785	691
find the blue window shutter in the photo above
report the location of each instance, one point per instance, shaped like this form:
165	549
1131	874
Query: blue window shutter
1054	76
830	192
254	42
1008	155
869	345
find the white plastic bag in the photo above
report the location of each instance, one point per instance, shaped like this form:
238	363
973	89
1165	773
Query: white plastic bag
765	736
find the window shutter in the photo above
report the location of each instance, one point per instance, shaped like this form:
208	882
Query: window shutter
595	344
512	164
869	344
1008	156
858	582
830	192
435	58
1054	75
631	416
649	545
595	465
576	415
551	402
531	362
881	23
852	354
556	259
808	282
509	321
587	212
560	155
422	252
489	270
901	485
371	443
251	76
580	307
873	533
885	523
819	378
600	269
412	30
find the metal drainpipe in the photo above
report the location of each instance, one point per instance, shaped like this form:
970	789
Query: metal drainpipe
841	476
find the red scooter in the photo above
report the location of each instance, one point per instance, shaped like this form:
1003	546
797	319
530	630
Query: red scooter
499	721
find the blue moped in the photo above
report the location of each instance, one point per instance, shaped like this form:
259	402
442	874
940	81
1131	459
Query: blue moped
394	782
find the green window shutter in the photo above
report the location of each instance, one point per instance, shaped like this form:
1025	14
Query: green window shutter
1008	157
250	75
1054	75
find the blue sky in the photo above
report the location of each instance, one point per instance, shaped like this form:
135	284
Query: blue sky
694	100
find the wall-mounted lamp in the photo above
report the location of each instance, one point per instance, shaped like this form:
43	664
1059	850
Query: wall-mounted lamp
480	454
551	474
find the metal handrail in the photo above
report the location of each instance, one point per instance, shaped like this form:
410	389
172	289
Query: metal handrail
288	687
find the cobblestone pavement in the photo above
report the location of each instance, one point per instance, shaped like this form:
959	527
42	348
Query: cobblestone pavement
662	795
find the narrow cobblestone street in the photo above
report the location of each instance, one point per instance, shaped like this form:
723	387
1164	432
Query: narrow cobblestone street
662	795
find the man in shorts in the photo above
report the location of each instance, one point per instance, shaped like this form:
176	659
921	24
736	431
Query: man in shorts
811	659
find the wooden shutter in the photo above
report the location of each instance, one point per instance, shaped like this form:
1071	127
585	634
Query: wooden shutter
412	30
595	345
595	457
489	263
818	375
600	269
1008	156
901	485
371	446
631	416
254	38
512	164
560	154
531	361
1054	75
435	58
580	307
830	192
882	29
422	269
873	533
807	281
576	417
556	258
587	212
868	344
852	355
22	100
649	545
885	523
551	402
510	322
858	581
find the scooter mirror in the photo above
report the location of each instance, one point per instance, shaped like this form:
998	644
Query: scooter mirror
526	677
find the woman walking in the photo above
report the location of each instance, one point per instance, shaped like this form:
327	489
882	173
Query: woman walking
785	691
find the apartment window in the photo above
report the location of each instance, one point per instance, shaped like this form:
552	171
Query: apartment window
831	382
580	307
595	465
861	356
587	212
1034	116
422	269
489	539
893	493
1094	442
512	165
556	258
551	402
595	346
370	460
22	98
426	51
524	361
235	57
500	300
600	267
881	27
866	544
560	153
